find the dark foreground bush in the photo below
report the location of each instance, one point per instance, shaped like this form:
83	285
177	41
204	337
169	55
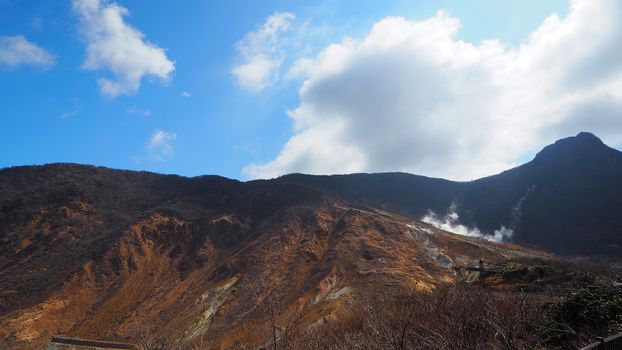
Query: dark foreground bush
582	315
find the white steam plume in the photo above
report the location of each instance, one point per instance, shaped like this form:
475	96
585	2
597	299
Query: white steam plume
450	222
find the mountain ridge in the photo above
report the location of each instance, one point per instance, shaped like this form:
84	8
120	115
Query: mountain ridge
574	173
572	168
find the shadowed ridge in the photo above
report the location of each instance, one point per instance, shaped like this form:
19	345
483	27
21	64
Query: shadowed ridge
564	200
583	147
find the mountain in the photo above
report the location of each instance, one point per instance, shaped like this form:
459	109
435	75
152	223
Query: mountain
566	200
107	254
118	255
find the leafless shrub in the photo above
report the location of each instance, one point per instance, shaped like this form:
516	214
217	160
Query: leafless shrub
450	317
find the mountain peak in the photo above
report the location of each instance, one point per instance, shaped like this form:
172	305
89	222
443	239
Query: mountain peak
584	145
582	139
586	136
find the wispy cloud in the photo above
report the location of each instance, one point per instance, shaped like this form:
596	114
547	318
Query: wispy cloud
140	112
160	145
73	111
262	52
114	45
186	94
17	50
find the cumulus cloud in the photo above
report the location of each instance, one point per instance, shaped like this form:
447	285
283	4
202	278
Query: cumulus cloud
409	96
114	45
160	145
450	222
17	50
262	52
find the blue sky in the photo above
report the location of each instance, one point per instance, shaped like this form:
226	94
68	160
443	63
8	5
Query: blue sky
198	118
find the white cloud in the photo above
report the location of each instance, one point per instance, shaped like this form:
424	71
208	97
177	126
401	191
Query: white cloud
160	145
17	50
140	112
411	97
262	52
114	45
74	111
186	94
71	113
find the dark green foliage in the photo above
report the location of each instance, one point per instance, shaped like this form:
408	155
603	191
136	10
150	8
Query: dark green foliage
584	314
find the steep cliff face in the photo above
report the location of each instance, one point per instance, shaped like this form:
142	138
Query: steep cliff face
102	254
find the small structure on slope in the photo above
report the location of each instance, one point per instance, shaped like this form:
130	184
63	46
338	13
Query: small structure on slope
65	343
